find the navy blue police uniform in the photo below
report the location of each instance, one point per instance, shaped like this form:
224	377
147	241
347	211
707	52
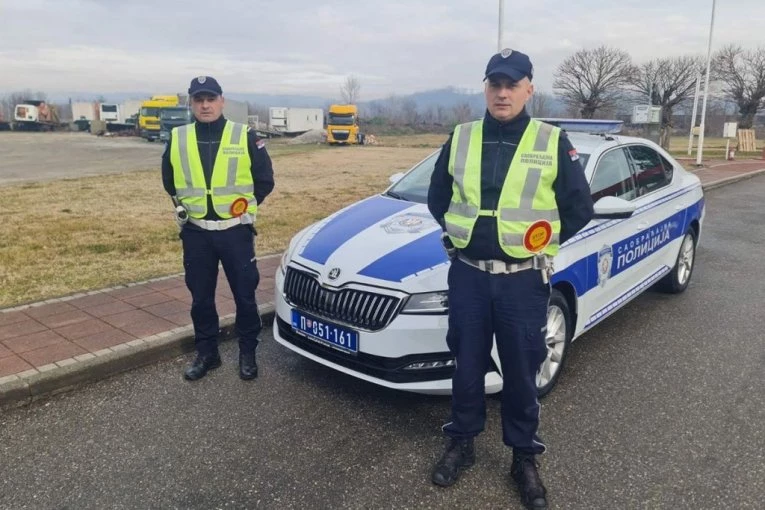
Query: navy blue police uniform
233	248
512	306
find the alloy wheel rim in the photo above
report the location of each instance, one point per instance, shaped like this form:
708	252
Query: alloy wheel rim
555	340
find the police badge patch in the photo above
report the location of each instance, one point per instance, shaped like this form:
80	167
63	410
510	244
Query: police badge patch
605	258
410	223
202	79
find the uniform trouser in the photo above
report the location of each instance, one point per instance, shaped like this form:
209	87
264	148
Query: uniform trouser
234	249
512	308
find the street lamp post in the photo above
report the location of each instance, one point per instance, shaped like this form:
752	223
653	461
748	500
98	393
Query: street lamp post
695	111
500	34
700	151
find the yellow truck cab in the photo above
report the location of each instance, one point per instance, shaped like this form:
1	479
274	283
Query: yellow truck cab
148	119
343	125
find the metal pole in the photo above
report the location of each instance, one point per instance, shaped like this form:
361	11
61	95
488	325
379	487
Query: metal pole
700	151
695	109
500	35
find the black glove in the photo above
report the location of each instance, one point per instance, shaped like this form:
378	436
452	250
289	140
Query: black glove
451	251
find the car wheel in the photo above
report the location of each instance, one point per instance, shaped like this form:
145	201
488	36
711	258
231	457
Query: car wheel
559	332
677	280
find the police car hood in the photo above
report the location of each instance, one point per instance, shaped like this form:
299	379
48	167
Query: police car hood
378	241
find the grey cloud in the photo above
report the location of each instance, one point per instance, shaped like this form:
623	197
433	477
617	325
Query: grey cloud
308	47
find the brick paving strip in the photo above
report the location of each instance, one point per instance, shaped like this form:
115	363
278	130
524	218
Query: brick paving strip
55	345
58	344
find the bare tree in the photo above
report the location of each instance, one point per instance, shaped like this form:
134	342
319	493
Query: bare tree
540	105
379	109
742	73
409	113
350	90
670	82
593	79
462	112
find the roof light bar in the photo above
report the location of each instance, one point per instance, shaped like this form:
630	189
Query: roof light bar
594	126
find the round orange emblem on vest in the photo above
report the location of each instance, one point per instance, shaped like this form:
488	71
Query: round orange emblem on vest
537	236
239	207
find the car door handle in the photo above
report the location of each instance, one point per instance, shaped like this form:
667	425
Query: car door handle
641	226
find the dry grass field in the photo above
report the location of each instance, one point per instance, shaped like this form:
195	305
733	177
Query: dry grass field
68	235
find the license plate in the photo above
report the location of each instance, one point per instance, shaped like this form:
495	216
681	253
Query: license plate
327	333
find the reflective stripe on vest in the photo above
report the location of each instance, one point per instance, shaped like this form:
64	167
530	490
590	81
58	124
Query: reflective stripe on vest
527	194
231	175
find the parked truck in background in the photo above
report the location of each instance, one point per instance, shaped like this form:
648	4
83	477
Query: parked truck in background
110	112
343	125
83	113
34	115
148	119
294	121
119	117
170	118
131	110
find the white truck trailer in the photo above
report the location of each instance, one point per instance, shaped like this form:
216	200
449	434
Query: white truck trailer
294	121
236	111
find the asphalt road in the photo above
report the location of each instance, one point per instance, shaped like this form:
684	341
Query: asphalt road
661	406
29	156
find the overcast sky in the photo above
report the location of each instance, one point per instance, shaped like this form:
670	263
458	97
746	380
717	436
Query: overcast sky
310	46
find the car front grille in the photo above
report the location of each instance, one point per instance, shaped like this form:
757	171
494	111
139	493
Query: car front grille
340	136
358	308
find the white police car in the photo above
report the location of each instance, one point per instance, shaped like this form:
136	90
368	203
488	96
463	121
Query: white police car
364	291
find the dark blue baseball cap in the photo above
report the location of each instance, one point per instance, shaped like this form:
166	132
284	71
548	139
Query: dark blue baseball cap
205	85
511	63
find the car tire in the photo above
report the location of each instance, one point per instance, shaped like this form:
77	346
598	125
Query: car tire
678	279
560	330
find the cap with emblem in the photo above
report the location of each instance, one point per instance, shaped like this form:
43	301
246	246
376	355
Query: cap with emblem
205	85
511	63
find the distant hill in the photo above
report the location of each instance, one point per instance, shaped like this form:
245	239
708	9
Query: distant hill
448	97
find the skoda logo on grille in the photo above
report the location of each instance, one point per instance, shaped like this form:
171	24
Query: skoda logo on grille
334	273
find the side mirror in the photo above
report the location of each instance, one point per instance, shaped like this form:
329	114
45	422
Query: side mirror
613	208
395	177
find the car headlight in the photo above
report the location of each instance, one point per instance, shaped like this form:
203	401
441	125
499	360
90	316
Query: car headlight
285	261
430	302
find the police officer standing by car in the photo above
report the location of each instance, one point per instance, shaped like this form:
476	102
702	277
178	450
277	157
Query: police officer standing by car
508	190
217	173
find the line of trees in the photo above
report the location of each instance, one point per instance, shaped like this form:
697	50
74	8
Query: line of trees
592	81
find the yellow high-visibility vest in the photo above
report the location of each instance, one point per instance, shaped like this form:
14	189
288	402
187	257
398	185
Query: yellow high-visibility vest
231	174
527	213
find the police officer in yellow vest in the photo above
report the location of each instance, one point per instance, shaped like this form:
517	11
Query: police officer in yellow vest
218	171
507	190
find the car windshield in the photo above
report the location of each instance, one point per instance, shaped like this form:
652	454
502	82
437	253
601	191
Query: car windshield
414	185
149	112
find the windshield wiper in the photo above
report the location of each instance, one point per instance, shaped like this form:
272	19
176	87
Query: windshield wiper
393	194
